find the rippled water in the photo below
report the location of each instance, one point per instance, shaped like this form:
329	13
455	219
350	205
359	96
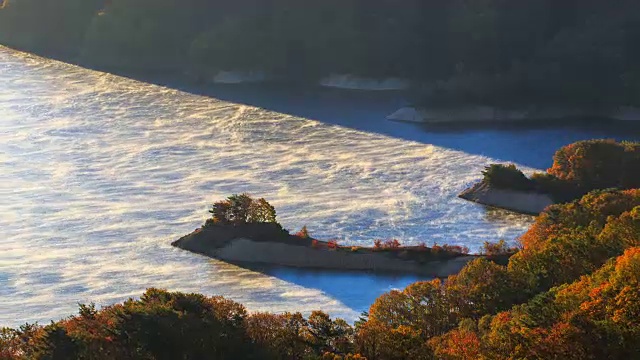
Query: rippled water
99	173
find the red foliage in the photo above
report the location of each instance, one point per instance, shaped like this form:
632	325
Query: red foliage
392	244
332	244
303	233
457	344
387	245
455	249
314	244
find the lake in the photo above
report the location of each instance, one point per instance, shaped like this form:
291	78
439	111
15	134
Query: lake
99	173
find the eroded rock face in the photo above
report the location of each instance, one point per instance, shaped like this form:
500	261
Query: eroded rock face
295	252
531	203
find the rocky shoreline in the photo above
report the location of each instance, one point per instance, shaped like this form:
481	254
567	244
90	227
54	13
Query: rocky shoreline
525	202
276	248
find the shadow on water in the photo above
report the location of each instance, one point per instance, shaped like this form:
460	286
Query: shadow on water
528	144
355	289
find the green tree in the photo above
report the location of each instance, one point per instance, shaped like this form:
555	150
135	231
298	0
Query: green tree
242	209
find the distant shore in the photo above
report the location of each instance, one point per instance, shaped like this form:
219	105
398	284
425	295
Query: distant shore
461	114
493	114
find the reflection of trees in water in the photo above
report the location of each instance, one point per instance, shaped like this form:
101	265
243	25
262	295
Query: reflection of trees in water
495	215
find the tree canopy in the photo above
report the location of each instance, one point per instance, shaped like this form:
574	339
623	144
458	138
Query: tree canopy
571	292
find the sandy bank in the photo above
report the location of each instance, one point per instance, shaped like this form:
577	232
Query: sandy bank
289	253
523	202
496	114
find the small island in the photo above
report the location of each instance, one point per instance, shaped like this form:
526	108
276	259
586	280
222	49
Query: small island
243	230
578	169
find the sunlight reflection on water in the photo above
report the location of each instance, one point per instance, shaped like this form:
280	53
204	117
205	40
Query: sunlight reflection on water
98	174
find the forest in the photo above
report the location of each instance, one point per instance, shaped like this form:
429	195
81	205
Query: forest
570	291
494	52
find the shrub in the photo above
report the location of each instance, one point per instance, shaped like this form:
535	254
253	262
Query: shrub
455	249
392	244
332	244
303	233
506	177
355	248
315	244
498	248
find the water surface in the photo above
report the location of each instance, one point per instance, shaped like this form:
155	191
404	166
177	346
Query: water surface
99	173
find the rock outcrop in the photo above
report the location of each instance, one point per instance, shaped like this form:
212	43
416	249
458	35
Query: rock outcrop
287	250
532	203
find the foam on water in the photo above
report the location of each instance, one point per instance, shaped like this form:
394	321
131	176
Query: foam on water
99	173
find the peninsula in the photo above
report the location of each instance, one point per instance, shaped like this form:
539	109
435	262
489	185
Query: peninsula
243	230
578	169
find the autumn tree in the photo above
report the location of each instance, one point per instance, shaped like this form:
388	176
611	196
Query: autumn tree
458	344
400	322
597	164
595	317
562	245
281	335
242	209
482	287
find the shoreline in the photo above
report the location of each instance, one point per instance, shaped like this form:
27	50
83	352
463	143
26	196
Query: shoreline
457	115
521	202
277	249
472	115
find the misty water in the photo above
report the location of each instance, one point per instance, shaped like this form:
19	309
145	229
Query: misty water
99	173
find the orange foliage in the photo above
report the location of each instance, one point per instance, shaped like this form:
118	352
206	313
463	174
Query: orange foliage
578	321
456	344
303	233
590	165
391	244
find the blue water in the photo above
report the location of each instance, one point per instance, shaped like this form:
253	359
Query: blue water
99	173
